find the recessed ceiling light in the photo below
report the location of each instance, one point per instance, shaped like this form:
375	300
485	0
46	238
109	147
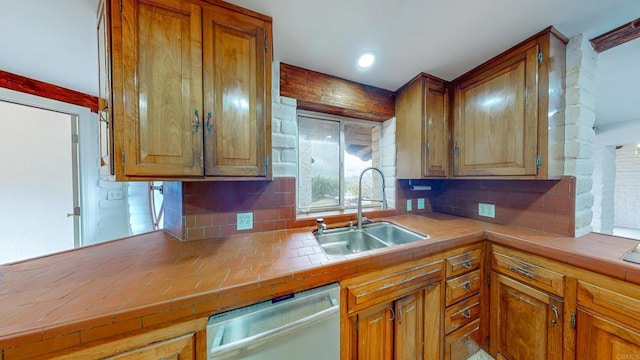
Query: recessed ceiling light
366	60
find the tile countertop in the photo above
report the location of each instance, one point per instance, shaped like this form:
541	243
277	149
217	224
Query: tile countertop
83	295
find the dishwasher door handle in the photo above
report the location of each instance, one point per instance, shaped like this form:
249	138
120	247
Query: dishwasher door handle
227	350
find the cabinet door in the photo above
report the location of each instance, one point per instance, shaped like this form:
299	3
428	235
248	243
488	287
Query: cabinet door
236	71
181	348
600	339
496	119
375	333
436	147
409	327
525	323
162	87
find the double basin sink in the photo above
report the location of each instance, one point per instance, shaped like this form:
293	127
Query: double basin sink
343	241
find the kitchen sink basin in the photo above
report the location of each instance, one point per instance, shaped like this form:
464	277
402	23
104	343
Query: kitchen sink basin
343	241
392	234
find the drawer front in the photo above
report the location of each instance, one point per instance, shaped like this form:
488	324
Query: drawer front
529	273
462	313
392	286
462	287
621	305
463	263
464	342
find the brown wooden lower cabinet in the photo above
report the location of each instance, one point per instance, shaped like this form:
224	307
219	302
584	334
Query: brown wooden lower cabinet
463	342
601	339
181	348
393	313
525	323
375	333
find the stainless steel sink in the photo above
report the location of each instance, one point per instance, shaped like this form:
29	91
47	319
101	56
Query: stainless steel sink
343	241
392	234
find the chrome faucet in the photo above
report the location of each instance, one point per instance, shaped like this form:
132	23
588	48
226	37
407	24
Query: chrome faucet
384	196
321	225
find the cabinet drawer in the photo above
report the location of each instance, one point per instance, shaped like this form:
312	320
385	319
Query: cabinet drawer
529	273
461	314
464	342
460	264
462	287
367	291
621	305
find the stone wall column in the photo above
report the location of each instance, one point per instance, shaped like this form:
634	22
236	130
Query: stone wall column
582	65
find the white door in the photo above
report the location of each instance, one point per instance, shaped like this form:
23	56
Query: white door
38	182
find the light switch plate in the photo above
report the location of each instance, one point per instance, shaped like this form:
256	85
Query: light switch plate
409	205
487	210
420	203
244	221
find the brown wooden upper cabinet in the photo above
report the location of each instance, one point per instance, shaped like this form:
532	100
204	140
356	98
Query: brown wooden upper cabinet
506	112
191	86
422	128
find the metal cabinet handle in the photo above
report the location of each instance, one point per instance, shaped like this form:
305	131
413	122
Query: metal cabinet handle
456	150
467	264
209	124
467	286
393	314
554	322
466	314
522	271
196	121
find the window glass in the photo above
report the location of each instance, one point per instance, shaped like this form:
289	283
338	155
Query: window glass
319	163
332	152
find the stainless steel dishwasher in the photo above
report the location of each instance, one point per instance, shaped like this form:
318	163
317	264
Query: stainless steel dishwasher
304	325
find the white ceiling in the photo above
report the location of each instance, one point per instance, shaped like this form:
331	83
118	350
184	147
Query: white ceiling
446	38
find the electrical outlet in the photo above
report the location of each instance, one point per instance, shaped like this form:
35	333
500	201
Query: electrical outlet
115	194
244	221
421	204
487	210
409	205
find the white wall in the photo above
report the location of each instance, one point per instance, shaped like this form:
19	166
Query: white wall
51	41
627	188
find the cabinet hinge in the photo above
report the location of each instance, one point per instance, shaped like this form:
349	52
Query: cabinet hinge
488	280
540	56
75	139
538	161
573	320
266	163
123	157
487	341
266	45
120	5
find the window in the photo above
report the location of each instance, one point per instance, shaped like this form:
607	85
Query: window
332	152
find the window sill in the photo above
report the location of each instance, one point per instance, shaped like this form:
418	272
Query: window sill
338	218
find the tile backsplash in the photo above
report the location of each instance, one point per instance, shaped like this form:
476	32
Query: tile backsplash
545	205
209	209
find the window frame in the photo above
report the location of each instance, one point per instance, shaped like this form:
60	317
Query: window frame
343	121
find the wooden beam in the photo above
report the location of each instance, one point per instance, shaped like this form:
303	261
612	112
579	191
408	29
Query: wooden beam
46	90
331	95
617	36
